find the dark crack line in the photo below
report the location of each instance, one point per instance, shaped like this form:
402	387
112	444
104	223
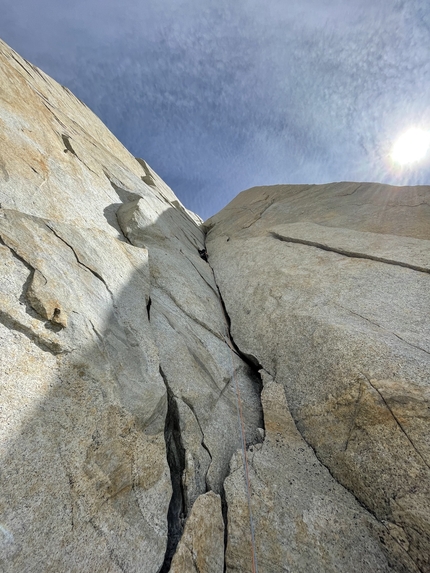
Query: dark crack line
23	67
221	394
409	343
204	446
68	145
20	258
251	361
259	215
382	328
192	318
358	500
53	347
115	558
253	212
406	205
148	308
396	419
200	274
352	192
71	483
175	453
351	254
98	335
92	271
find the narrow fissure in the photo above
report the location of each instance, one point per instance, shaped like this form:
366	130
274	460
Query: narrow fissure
91	270
249	359
176	514
351	254
255	368
224	510
175	451
148	308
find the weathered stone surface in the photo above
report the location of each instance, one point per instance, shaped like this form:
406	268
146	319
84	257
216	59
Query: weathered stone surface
336	277
201	549
118	415
303	519
112	345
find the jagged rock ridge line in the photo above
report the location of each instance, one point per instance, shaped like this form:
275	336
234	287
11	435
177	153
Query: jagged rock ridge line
119	429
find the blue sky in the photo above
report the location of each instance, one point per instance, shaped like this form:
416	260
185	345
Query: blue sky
220	96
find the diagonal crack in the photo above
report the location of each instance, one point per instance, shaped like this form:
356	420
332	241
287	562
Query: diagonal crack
345	253
190	316
44	344
191	407
200	274
382	328
91	270
396	419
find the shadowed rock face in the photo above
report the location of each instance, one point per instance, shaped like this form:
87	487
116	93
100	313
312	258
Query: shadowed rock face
119	377
328	287
117	405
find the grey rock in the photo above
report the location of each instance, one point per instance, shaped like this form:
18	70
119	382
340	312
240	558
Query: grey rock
336	277
303	519
108	317
119	425
201	549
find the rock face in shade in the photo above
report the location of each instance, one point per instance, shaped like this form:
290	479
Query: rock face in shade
328	287
119	433
112	344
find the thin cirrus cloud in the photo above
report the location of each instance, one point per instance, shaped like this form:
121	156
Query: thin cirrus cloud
218	97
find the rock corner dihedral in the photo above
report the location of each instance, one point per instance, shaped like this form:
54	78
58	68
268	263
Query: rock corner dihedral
130	333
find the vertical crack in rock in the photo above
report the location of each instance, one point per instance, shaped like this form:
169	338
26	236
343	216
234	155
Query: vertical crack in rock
176	459
249	359
204	446
224	511
148	308
255	368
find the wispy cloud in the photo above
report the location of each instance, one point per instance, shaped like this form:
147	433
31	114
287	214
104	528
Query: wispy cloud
219	97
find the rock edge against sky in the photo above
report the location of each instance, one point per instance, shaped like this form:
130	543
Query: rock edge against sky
126	326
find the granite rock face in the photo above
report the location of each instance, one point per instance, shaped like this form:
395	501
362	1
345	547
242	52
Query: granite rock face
304	519
121	433
337	278
201	548
115	372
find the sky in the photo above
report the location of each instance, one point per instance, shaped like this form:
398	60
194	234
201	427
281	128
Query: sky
219	96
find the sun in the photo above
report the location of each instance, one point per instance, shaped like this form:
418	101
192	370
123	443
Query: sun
411	147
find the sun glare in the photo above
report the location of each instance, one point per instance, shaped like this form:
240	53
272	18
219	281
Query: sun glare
411	146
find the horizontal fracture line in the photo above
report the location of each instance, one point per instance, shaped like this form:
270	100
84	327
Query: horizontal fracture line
349	253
